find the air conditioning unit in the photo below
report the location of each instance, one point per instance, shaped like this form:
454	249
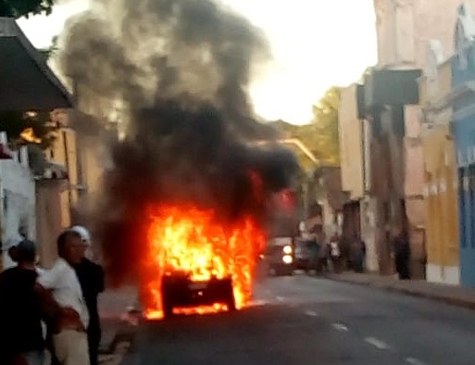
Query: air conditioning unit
55	172
5	152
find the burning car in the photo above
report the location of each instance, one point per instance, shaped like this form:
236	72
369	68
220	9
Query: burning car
197	264
180	291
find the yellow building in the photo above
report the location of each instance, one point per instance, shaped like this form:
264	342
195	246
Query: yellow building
355	157
64	194
55	195
440	171
351	145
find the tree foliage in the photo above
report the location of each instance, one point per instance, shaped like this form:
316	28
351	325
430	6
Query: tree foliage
20	8
325	122
50	51
305	134
320	136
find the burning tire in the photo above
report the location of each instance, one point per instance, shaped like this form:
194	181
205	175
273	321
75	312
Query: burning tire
229	297
167	306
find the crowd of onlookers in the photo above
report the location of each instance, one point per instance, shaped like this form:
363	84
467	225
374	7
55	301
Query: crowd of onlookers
51	316
336	255
325	256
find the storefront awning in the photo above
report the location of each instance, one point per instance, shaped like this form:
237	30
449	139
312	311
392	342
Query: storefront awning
26	81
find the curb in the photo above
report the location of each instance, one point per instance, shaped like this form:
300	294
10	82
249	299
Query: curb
121	345
410	292
120	339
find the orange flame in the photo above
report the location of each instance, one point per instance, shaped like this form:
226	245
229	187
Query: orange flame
196	242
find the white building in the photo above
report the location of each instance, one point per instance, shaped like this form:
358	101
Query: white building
17	196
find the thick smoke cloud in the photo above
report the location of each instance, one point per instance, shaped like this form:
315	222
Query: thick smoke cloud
179	71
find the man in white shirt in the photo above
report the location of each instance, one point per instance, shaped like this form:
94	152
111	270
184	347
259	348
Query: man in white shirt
70	338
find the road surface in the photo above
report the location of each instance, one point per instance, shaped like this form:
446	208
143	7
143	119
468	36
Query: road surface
304	320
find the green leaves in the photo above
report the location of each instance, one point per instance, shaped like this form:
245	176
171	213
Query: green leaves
320	136
51	50
19	8
305	134
325	122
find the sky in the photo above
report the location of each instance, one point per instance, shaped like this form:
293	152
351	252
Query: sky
315	44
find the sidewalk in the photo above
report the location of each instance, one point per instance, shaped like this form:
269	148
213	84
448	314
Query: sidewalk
454	295
113	305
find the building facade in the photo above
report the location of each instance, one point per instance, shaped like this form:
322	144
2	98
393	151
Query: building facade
403	30
69	188
54	195
17	194
440	169
384	101
36	88
463	99
354	134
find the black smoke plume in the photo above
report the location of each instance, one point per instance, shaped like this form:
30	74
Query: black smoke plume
179	72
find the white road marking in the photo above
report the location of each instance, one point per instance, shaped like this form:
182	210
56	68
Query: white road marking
311	313
381	345
340	327
280	299
413	361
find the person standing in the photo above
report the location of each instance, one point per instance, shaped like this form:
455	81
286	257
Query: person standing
335	253
69	336
21	332
323	252
91	278
358	254
12	243
402	253
312	246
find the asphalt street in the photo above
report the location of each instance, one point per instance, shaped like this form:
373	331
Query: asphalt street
305	320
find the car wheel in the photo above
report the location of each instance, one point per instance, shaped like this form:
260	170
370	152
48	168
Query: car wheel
229	299
167	307
231	303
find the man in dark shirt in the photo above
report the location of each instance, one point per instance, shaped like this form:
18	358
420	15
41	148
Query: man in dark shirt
91	278
21	334
402	252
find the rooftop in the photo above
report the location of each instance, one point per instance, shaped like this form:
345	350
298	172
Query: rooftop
27	83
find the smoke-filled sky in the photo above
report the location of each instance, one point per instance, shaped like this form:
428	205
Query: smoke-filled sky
315	44
180	70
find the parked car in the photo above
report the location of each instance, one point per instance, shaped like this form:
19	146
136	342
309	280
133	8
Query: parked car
302	255
280	255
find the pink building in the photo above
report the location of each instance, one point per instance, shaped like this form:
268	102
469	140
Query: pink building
404	29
